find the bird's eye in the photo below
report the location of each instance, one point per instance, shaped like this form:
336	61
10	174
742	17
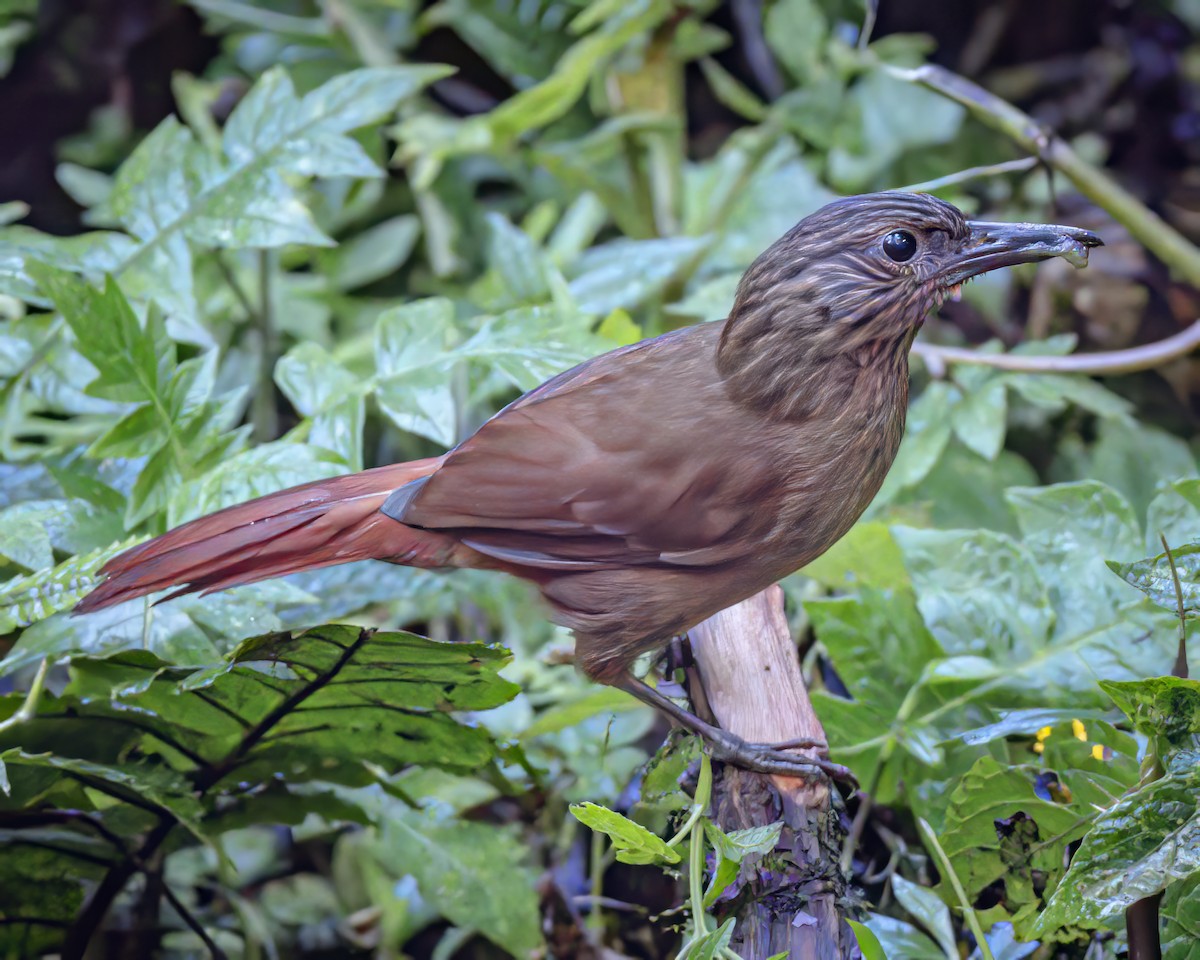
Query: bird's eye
900	245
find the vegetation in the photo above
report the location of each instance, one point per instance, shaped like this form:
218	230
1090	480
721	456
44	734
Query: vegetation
337	252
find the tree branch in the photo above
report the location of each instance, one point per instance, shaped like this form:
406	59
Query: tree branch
753	684
1151	230
1143	357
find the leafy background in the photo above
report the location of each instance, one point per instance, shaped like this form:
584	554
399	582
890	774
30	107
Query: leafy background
252	243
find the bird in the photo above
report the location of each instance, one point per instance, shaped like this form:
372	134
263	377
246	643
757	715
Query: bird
654	485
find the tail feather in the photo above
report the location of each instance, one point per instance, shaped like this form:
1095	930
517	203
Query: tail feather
302	528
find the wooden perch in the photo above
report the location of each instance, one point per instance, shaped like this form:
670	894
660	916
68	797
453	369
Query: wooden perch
750	677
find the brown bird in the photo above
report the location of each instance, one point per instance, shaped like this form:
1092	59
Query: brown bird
652	486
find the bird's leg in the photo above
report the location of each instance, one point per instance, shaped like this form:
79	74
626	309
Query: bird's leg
730	748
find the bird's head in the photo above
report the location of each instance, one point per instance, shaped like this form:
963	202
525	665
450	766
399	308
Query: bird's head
867	269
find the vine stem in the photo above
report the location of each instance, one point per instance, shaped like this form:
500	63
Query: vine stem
28	709
1143	357
947	868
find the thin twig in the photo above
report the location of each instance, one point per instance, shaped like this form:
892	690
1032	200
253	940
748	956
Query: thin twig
235	286
1020	165
1143	357
193	924
868	27
1147	227
1181	659
748	16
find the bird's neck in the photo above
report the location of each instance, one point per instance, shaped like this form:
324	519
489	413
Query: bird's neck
795	375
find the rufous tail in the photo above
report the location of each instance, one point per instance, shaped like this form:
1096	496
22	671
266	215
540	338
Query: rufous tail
314	525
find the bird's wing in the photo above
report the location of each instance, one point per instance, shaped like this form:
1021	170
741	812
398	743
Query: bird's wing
636	457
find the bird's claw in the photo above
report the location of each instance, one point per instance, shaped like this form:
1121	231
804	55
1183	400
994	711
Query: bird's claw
773	759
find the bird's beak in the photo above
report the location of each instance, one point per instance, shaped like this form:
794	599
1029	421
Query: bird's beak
993	245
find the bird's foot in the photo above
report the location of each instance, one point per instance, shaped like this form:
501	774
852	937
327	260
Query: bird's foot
769	758
774	758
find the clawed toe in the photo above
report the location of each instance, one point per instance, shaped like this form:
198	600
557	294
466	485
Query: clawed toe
768	759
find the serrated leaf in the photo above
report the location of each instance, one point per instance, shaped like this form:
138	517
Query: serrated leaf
1181	917
1161	707
25	600
632	842
1144	842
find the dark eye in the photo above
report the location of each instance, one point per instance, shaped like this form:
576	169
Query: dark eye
900	245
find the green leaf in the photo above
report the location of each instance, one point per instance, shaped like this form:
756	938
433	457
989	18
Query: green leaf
570	712
737	845
999	831
796	32
623	274
867	556
125	356
980	420
901	940
1156	579
412	344
25	600
712	945
1138	847
925	437
892	118
1054	391
172	191
1027	722
1173	513
529	345
310	703
252	473
977	591
1180	910
1070	528
155	785
373	254
868	943
322	389
928	909
1161	707
431	140
475	874
632	842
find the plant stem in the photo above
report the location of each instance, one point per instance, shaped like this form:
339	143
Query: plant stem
947	869
700	804
1181	661
28	709
1147	227
1143	357
595	919
265	416
973	173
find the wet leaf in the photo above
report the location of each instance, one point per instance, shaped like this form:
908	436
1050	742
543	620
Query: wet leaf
633	842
